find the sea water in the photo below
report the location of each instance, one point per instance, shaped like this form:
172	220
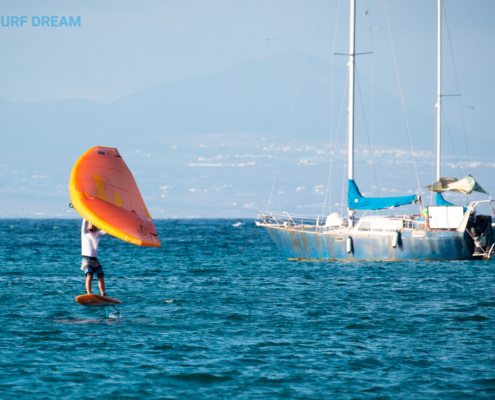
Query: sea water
199	322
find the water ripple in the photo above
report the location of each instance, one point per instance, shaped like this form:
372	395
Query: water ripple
199	323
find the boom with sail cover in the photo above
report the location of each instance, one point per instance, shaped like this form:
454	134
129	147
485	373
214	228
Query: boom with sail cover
103	190
356	201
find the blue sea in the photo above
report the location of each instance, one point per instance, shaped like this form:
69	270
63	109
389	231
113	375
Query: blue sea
197	322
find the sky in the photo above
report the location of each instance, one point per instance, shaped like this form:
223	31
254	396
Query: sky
126	47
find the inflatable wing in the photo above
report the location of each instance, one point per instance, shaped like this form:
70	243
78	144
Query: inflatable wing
103	190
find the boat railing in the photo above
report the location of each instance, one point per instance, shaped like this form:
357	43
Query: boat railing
316	222
391	223
468	213
294	221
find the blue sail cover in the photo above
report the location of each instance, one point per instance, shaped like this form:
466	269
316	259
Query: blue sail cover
357	202
441	201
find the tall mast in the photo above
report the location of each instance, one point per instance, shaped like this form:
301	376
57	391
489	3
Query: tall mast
351	90
439	86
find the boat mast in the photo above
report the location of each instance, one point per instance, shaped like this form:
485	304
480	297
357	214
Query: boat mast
351	93
439	85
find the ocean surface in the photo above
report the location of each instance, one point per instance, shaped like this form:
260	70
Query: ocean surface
197	322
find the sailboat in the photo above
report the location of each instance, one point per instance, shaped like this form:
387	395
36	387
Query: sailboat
444	232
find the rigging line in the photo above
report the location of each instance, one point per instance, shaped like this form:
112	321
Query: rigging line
335	148
423	73
331	99
366	128
402	101
425	80
451	141
293	105
372	91
332	81
433	167
457	85
249	237
345	169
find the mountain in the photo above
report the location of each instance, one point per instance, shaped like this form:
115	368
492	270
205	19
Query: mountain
254	96
246	107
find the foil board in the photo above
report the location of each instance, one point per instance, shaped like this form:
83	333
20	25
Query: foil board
95	300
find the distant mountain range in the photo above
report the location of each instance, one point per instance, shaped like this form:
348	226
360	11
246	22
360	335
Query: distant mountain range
254	96
252	99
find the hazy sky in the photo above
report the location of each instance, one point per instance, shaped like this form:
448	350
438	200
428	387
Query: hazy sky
125	46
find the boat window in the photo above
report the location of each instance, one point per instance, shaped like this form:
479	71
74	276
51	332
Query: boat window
364	226
390	227
413	225
377	227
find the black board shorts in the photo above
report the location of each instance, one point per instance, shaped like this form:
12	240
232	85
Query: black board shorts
91	266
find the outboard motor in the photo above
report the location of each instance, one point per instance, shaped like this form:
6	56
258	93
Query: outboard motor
478	242
482	237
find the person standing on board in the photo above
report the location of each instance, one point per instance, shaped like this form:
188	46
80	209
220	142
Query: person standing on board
90	238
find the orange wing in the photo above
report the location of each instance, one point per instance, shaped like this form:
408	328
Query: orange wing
103	190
